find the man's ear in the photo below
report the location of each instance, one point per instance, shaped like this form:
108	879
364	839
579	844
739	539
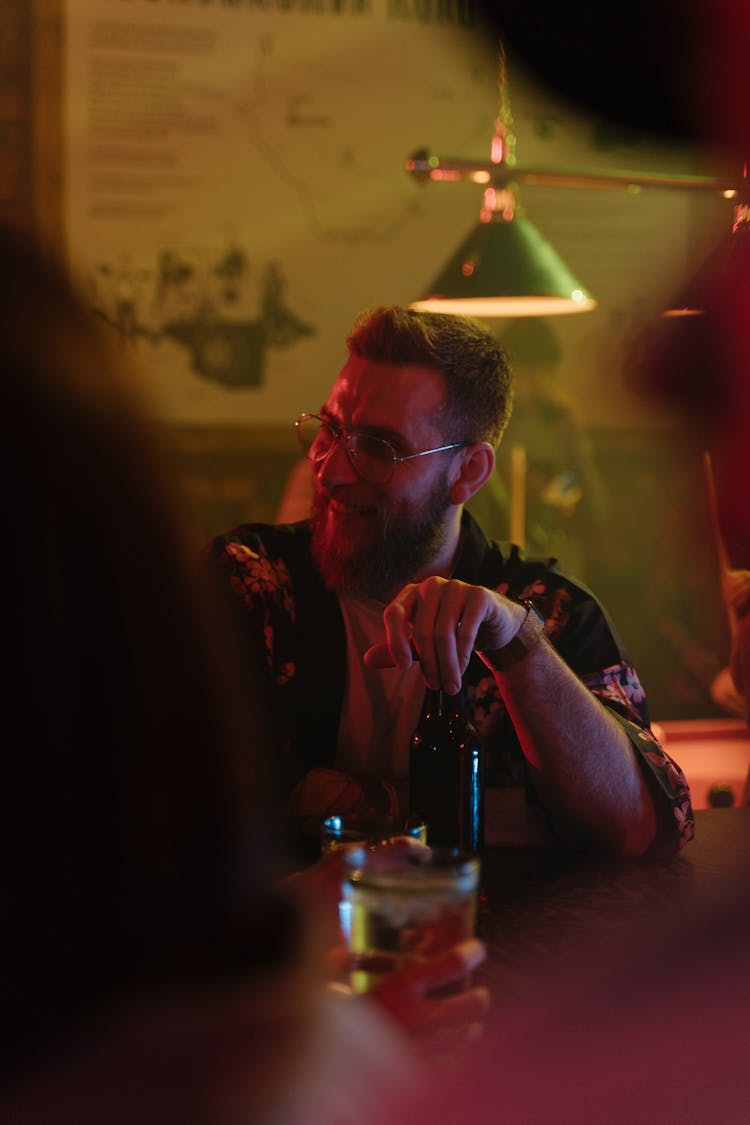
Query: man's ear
475	464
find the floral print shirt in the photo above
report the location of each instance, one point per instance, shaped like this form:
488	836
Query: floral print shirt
282	601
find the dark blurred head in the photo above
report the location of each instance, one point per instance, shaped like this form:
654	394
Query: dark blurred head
129	830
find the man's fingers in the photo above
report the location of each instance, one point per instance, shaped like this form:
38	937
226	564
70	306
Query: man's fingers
379	656
454	635
473	613
465	1009
397	619
444	629
438	623
424	977
424	609
412	995
447	968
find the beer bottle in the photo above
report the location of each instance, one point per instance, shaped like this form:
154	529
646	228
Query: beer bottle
446	766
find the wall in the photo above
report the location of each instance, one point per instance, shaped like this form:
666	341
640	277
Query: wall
16	156
292	185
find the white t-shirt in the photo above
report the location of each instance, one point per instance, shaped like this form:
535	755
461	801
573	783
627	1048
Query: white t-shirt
381	706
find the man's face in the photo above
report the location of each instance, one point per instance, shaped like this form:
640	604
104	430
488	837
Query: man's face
374	538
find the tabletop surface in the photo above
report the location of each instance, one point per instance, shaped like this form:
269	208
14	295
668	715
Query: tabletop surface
541	908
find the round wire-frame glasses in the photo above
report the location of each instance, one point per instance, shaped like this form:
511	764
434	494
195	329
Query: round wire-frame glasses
373	458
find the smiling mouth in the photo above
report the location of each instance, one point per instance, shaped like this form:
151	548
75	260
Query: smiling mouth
350	508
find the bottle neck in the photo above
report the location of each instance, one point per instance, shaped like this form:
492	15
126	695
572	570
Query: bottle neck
439	705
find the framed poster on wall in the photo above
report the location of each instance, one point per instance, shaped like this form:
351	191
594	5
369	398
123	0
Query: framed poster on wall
235	190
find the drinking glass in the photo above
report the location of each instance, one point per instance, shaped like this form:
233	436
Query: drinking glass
401	906
368	829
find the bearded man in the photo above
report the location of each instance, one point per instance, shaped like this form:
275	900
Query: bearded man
391	586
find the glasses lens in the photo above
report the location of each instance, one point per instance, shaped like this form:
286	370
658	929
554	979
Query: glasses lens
373	458
315	437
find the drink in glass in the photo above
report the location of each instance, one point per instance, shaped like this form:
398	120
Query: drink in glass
401	906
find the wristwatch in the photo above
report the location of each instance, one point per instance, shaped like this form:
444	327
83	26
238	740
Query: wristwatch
527	637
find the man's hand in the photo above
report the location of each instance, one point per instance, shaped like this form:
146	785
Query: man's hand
735	589
600	795
442	1026
740	662
412	996
440	622
432	1001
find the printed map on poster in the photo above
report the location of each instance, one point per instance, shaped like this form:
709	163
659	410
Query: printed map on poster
235	181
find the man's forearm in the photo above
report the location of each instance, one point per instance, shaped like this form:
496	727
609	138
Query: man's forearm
582	763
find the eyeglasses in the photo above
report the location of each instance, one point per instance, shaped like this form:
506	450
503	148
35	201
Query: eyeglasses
373	458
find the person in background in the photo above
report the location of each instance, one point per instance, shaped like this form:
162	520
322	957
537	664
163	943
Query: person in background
687	639
739	662
740	668
565	496
391	586
698	366
155	966
731	685
736	593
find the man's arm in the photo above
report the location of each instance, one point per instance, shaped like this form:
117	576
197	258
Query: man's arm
580	759
582	764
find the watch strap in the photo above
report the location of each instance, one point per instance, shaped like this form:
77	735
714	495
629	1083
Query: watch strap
528	637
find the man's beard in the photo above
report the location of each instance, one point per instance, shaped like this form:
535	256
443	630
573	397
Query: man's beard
406	541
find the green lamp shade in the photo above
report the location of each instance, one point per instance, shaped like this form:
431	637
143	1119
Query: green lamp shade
505	268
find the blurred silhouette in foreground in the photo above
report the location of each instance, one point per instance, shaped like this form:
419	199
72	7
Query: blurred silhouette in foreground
153	965
644	1023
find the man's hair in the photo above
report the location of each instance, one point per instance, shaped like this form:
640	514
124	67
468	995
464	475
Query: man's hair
474	365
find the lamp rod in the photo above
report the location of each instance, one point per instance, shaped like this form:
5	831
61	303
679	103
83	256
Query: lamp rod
425	166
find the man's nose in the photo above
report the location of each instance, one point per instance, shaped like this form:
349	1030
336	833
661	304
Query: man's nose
336	468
